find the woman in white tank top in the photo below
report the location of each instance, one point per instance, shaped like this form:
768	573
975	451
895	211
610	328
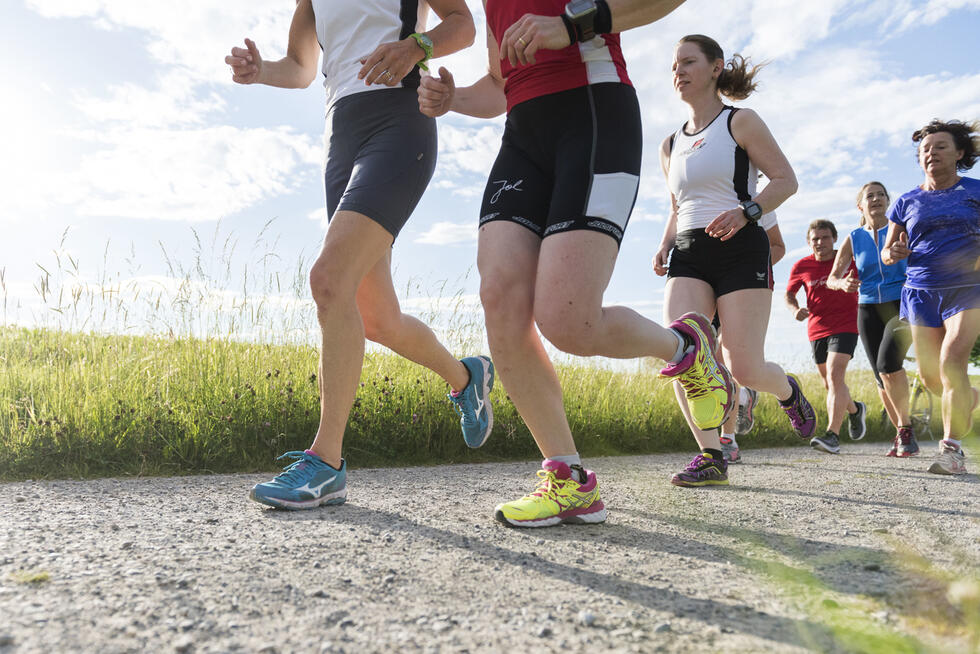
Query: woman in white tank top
372	52
716	238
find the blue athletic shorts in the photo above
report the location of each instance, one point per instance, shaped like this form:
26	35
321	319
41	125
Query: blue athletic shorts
932	307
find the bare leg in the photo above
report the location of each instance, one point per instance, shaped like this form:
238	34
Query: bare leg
959	398
685	294
353	246
896	397
406	335
838	395
508	260
745	317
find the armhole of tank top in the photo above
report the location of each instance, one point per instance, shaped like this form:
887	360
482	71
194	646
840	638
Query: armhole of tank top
670	150
731	114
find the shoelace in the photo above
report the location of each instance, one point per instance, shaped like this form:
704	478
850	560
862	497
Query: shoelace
457	402
548	486
290	474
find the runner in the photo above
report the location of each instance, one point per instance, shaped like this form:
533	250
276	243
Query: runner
832	328
936	226
715	238
554	211
740	422
879	289
380	156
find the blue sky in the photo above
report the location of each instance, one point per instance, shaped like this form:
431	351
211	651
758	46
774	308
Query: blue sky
121	125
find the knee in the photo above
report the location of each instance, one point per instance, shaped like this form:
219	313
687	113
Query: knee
506	304
746	373
325	286
568	330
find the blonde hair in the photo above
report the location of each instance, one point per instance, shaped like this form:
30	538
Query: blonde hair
861	195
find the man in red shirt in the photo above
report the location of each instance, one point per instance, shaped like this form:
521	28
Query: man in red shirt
832	328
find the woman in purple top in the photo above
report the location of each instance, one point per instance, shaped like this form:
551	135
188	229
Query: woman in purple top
936	226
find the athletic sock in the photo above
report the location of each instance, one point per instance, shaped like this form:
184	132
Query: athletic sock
682	345
792	397
953	441
730	437
714	454
573	461
743	395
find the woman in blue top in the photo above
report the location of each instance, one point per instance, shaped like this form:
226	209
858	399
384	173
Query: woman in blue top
879	289
936	226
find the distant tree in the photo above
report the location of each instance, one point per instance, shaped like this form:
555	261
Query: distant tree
975	354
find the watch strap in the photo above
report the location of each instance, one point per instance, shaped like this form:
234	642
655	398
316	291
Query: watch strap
426	44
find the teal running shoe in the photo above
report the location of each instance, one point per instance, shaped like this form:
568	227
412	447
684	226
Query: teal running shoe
306	483
473	402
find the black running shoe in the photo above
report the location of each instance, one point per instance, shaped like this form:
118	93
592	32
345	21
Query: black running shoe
828	443
856	425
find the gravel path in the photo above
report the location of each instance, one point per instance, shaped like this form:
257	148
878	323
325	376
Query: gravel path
803	550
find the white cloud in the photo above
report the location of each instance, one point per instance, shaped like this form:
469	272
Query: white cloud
447	233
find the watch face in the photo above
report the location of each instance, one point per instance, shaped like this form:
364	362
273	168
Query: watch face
425	40
579	8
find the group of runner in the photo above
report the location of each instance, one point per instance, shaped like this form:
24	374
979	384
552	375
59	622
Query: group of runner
554	211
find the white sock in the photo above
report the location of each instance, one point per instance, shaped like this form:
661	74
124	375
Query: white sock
730	437
681	350
743	395
571	460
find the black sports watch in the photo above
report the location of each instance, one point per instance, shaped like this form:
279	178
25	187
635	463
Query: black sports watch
751	210
582	14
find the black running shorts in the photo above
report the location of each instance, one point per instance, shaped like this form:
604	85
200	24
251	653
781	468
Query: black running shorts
568	161
843	343
381	153
738	263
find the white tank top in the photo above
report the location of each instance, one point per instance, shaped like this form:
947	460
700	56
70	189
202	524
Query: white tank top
349	30
710	173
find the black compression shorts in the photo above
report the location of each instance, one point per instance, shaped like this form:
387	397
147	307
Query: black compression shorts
738	263
568	161
885	341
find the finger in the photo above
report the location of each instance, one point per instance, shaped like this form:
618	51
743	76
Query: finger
253	49
369	63
446	77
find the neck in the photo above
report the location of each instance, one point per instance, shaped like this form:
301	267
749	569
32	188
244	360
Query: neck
832	255
703	110
876	222
940	181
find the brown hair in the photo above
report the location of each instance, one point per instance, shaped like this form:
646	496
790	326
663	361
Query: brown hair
966	137
821	223
861	196
737	79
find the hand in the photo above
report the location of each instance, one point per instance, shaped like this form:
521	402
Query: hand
850	283
802	314
246	63
900	249
727	224
436	95
390	62
660	260
532	33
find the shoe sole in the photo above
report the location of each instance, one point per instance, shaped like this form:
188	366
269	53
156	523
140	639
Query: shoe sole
820	447
698	484
488	377
937	469
580	519
330	499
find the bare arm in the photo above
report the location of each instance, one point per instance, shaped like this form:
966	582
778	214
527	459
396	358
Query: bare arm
670	231
839	279
484	99
800	313
296	70
755	138
896	245
777	248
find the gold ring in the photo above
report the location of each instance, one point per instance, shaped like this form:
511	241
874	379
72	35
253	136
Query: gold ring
387	74
521	40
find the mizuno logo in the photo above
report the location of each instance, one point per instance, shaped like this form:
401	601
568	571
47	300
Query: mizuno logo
315	490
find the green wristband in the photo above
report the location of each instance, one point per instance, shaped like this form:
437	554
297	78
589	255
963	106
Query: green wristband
426	44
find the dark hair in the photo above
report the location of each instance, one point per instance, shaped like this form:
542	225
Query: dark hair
966	137
737	79
861	195
820	223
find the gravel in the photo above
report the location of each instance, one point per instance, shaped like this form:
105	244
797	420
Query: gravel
415	563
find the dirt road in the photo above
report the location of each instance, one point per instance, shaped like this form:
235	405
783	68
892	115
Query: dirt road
804	552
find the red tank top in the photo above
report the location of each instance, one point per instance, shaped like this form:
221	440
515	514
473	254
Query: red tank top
593	62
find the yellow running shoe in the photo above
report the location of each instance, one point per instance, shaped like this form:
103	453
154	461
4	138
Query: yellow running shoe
557	499
707	382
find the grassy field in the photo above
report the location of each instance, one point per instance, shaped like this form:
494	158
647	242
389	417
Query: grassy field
83	405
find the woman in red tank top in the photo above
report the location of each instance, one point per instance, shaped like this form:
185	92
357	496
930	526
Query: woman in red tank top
554	211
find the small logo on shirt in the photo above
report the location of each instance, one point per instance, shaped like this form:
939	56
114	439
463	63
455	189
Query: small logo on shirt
762	276
504	185
697	145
